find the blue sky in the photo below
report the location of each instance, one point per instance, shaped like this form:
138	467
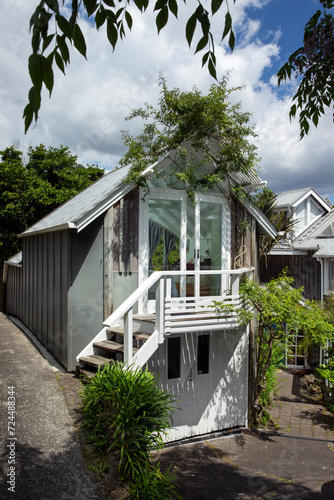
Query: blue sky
88	107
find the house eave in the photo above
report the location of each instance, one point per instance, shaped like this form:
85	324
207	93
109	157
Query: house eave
60	227
261	219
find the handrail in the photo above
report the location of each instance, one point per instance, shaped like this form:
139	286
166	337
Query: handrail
125	310
151	280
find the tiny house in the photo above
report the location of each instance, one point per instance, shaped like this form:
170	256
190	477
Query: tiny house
116	275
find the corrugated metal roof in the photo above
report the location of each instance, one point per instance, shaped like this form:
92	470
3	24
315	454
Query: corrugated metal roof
16	259
74	210
326	249
320	236
318	228
289	198
80	210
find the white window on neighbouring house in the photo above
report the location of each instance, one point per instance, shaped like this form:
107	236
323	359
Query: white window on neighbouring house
331	275
295	357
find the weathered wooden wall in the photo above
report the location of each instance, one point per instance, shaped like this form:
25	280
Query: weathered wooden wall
125	233
304	268
244	237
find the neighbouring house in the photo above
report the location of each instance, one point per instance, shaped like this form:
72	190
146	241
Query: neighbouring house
114	274
307	254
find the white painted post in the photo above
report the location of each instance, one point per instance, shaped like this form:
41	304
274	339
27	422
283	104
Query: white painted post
235	279
160	309
128	339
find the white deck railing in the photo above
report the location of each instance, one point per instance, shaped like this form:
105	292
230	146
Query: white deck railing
175	314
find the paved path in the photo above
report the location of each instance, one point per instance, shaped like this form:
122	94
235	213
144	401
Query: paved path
297	414
293	459
39	450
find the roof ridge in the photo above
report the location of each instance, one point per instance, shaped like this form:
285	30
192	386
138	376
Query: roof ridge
303	236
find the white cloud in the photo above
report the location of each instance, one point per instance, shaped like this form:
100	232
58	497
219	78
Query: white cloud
88	106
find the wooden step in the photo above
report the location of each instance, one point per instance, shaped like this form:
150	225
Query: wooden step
111	346
136	334
95	361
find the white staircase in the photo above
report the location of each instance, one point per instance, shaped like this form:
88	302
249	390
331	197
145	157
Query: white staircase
133	338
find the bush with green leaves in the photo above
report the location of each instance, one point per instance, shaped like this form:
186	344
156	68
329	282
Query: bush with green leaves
125	410
151	484
279	310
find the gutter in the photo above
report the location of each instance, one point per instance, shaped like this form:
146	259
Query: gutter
45	230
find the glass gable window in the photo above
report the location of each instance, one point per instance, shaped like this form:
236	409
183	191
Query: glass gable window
174	357
203	354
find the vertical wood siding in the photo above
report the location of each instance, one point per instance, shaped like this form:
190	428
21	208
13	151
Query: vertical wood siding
37	292
244	237
304	268
214	401
125	233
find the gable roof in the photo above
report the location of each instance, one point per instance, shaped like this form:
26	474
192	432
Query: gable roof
82	209
294	197
319	236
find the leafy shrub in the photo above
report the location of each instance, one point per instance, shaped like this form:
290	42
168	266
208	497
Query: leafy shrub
326	375
151	484
125	410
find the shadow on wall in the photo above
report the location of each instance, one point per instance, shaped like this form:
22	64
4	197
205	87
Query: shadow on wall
2	292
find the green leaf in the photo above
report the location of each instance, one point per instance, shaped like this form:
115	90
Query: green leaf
35	100
110	3
202	43
112	33
212	69
64	25
59	62
215	5
159	4
79	40
47	42
190	28
63	48
91	6
35	66
100	17
205	58
231	40
162	18
228	25
47	73
53	5
28	115
141	5
128	19
172	4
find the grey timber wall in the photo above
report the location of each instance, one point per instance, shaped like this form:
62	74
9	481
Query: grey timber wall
58	291
304	268
85	300
37	292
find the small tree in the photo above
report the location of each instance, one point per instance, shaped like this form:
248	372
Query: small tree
279	311
30	191
193	131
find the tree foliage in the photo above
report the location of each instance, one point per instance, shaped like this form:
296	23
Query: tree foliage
314	63
30	191
192	130
279	311
53	34
55	30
